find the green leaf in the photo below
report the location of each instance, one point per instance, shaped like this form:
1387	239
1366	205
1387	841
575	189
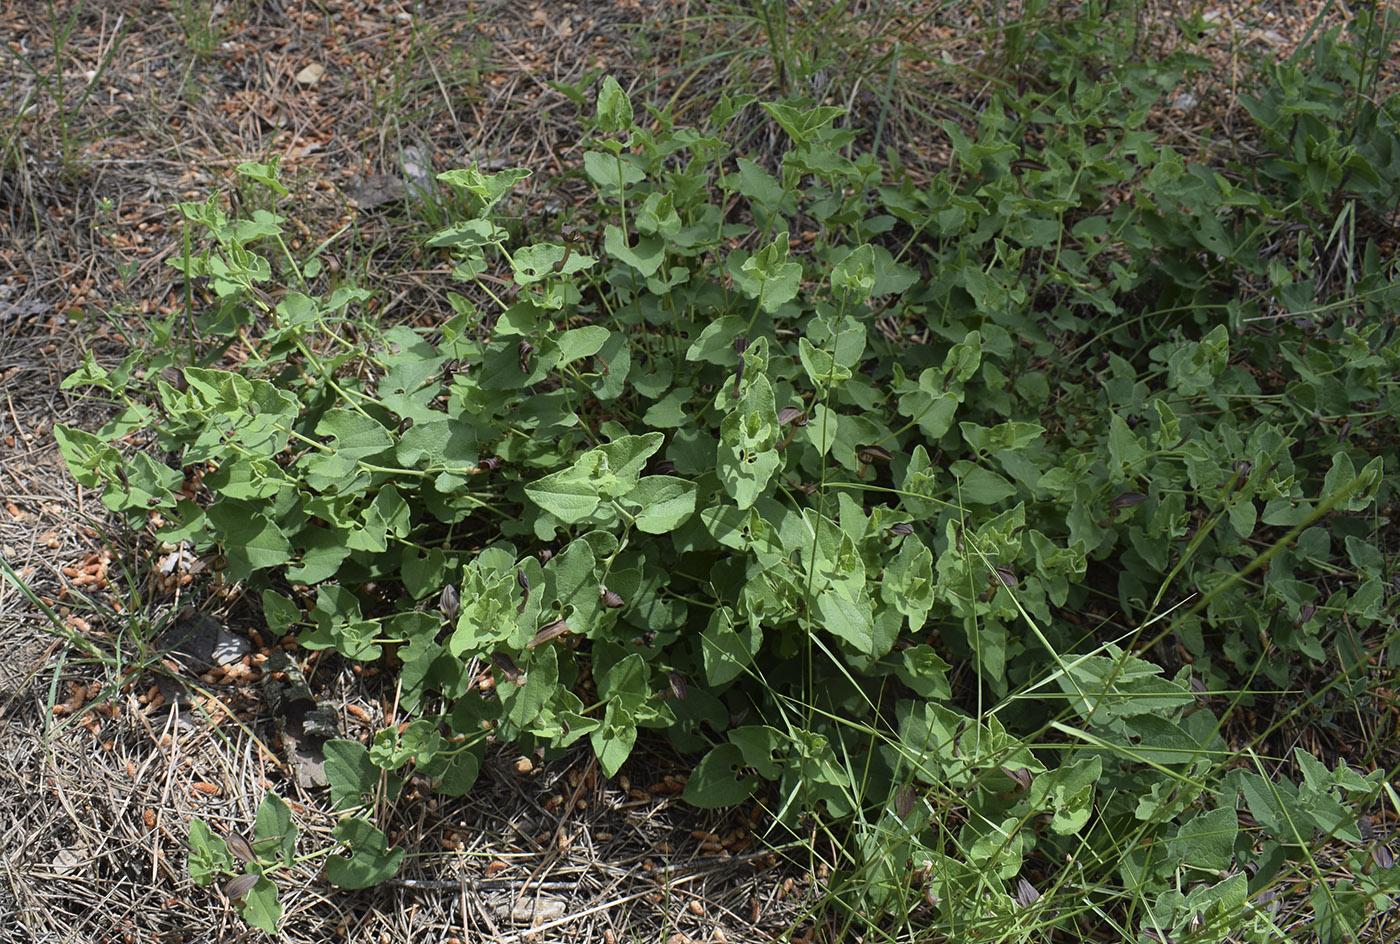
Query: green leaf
467	233
925	672
1120	687
769	275
822	429
728	525
658	216
356	435
581	342
821	366
962	360
265	174
849	620
989	647
934	412
371	861
716	342
1068	793
610	172
834	560
357	439
726	108
1274	805
979	485
854	273
248	479
209	854
802	125
387	514
719	781
613	740
572	580
350	772
260	906
487	188
1243	515
1342	478
604	472
460	773
662	502
274	832
612	382
537	262
762	748
572	495
417	742
250	541
728	647
670	411
844	338
908	584
757	184
646	256
1125	451
90	460
1206	842
1004	437
1194	366
525	707
88	373
448	444
891	277
1153	739
614	109
748	438
628	455
521	318
423	574
323	552
488	614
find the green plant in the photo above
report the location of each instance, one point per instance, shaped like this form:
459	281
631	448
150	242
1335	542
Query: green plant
783	444
437	71
1332	149
196	20
71	139
252	864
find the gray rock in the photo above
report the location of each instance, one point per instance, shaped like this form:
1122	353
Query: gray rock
198	642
